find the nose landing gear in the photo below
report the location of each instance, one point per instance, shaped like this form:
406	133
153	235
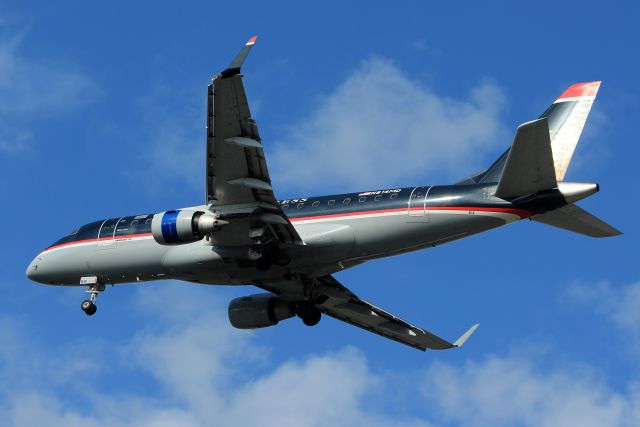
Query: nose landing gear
89	305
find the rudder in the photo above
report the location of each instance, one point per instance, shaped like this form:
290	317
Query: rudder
566	118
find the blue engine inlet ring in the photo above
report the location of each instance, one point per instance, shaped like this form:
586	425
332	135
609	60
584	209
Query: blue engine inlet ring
169	227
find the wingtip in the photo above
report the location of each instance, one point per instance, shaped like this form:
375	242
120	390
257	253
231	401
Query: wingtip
251	41
460	341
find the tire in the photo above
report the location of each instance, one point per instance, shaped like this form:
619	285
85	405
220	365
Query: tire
265	262
92	310
87	305
255	253
309	314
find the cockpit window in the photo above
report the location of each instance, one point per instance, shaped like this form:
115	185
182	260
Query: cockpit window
86	232
123	226
108	228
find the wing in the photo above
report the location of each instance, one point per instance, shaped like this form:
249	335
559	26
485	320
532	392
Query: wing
237	179
335	300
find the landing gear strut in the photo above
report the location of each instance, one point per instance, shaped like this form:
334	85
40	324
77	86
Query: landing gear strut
89	305
260	252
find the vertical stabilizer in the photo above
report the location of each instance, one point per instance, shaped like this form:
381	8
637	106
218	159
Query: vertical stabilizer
566	117
529	166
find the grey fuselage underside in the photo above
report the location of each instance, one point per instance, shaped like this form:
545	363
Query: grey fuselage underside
338	231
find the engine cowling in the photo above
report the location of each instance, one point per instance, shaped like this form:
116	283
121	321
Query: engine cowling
259	311
182	226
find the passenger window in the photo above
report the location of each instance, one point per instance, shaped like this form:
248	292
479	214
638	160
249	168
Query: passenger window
346	201
362	199
285	207
331	202
377	198
300	205
394	196
149	220
316	204
124	226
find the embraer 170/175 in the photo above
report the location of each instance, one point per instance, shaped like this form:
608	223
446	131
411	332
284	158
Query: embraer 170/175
290	248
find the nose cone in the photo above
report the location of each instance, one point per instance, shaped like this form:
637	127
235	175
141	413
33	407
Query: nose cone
34	271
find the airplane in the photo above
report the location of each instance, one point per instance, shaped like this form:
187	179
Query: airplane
291	248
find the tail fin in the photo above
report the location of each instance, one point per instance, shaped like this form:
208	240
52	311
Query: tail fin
529	166
576	219
566	118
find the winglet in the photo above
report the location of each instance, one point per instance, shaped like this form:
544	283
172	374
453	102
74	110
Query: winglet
236	64
465	336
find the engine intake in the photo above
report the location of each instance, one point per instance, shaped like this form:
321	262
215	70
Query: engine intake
259	311
179	226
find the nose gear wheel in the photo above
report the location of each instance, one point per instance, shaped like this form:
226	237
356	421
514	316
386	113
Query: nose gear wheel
89	305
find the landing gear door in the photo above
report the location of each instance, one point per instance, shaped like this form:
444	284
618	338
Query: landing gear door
417	208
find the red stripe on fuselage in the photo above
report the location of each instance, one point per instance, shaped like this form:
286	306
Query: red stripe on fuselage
521	213
96	240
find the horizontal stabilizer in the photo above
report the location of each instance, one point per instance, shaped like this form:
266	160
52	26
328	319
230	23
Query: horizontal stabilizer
576	219
529	167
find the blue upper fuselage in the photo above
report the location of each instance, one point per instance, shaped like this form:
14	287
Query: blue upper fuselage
306	207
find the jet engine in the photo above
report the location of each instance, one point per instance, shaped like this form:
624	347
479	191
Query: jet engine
259	311
182	226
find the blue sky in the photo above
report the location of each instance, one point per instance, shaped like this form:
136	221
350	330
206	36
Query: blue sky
102	115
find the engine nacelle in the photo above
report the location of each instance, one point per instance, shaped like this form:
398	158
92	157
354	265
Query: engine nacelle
178	227
259	311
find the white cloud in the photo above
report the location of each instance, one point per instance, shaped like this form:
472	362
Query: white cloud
174	131
377	128
380	128
186	367
514	391
620	304
32	88
198	372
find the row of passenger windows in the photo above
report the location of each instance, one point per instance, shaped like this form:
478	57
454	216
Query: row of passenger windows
346	201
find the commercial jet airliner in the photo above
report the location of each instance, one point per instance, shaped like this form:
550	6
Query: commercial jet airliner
290	248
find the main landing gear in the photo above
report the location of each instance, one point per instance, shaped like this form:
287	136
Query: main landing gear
309	313
260	252
89	305
262	256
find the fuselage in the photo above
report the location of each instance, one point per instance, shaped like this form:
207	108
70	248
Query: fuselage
339	231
